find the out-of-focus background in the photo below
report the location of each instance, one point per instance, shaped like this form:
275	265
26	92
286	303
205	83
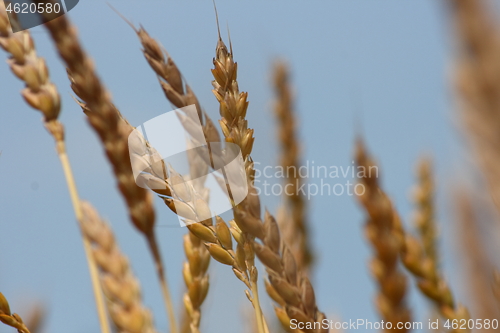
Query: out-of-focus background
378	68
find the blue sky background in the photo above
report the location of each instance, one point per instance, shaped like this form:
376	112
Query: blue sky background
382	64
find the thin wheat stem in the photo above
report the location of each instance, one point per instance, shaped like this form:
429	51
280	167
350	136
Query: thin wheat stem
165	290
94	275
261	326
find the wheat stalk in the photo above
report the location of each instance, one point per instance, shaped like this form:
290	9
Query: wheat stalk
11	319
478	83
41	94
295	234
119	284
382	230
113	132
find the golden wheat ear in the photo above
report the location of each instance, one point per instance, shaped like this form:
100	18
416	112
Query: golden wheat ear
382	230
121	287
287	285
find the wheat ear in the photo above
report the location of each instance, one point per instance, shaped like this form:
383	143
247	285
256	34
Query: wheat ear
11	319
197	255
113	132
42	95
382	225
478	85
295	234
420	255
287	285
233	106
119	284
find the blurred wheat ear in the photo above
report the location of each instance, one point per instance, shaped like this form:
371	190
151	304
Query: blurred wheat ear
383	230
478	85
119	284
296	234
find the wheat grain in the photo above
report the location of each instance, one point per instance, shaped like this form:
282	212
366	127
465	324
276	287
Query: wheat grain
297	237
119	284
381	229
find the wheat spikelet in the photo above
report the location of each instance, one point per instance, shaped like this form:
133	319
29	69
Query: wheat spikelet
113	132
382	232
11	319
478	84
297	237
119	284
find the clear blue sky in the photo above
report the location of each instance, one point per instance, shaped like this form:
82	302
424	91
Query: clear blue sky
382	64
